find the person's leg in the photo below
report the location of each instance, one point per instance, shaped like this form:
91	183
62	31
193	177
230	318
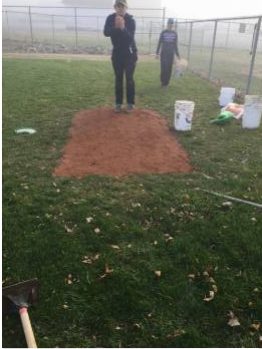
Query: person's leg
166	67
169	66
163	66
118	66
130	83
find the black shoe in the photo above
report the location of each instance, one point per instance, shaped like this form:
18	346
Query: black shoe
130	108
118	108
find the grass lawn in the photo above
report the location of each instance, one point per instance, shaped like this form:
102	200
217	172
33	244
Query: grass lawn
136	225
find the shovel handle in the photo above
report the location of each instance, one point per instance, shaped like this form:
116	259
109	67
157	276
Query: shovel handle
28	331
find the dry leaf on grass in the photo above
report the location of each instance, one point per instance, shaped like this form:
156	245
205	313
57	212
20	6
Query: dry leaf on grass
115	247
233	320
255	327
136	204
90	260
97	230
210	297
89	219
68	279
158	273
108	271
68	230
177	333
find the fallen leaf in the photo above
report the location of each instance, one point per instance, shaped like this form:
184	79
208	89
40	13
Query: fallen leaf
158	273
177	333
191	276
118	328
137	325
97	230
90	260
227	204
68	230
108	270
65	306
255	327
136	204
115	247
233	320
211	296
89	219
87	261
215	289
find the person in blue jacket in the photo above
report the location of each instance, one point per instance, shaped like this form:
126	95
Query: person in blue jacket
120	27
168	45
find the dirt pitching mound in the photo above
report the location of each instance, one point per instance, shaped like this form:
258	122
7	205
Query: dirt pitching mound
105	143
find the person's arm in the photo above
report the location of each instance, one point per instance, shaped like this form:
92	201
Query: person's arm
129	30
159	44
176	48
109	28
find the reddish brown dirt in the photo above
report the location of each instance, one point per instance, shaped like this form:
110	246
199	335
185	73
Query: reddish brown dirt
105	143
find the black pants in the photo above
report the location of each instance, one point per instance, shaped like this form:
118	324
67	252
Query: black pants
167	59
124	64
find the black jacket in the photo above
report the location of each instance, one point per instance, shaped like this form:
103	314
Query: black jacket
168	43
123	40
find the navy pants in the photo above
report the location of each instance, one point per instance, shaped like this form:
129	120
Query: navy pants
167	59
124	65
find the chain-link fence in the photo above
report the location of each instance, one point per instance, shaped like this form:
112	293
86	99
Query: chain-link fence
228	51
72	29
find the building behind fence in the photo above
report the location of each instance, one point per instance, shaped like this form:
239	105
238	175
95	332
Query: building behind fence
228	51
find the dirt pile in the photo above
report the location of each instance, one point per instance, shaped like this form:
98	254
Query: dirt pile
105	143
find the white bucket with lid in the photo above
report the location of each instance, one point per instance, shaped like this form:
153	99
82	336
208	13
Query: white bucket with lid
227	95
252	111
184	111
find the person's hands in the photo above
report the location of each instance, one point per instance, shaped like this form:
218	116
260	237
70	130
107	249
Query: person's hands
119	22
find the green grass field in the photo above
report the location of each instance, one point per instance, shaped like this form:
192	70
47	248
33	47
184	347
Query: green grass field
138	224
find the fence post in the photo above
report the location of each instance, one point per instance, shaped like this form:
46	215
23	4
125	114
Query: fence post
164	18
212	51
8	30
97	28
53	33
254	51
150	37
76	30
30	23
228	33
189	43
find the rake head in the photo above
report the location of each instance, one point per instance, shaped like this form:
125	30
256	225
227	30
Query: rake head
22	294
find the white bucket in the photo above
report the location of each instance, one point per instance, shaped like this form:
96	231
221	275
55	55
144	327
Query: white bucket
183	115
252	111
227	95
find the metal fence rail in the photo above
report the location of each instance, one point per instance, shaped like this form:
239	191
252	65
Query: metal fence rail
225	50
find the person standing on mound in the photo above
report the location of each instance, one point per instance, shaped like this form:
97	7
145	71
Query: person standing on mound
120	27
169	48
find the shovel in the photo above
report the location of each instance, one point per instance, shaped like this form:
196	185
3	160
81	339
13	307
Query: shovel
20	296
